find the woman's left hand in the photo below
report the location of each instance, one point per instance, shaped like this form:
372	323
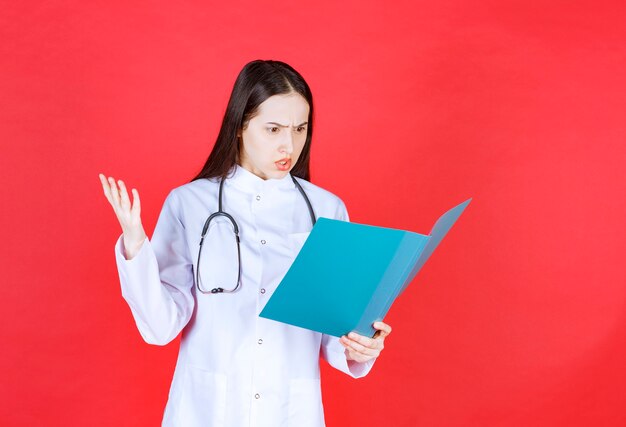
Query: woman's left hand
362	349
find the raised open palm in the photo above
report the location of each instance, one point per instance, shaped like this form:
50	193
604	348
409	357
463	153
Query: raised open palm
128	215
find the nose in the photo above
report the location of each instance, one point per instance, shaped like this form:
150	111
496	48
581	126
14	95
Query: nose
287	143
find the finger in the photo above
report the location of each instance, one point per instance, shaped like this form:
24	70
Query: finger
106	188
115	195
354	354
136	203
373	343
365	341
125	201
365	352
358	357
360	348
383	329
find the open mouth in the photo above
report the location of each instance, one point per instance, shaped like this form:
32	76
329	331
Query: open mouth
283	164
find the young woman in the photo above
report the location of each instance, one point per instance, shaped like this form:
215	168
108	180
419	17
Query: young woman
235	368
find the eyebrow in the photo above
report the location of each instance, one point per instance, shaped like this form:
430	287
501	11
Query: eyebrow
285	126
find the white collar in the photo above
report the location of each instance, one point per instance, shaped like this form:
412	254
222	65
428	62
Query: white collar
249	182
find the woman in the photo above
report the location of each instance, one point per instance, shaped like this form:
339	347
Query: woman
235	368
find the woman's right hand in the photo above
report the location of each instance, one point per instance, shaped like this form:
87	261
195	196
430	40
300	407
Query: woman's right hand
127	215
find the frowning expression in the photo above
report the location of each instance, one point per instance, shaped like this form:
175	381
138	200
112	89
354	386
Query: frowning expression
271	142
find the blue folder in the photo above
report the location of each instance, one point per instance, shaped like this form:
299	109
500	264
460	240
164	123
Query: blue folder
347	275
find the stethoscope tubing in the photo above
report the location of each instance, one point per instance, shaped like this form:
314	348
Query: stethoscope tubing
220	212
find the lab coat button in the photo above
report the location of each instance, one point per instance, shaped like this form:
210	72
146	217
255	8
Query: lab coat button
262	290
258	197
263	242
257	396
260	341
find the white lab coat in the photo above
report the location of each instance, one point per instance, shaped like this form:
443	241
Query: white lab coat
234	368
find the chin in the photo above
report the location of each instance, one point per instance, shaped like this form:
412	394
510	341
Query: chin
280	174
276	174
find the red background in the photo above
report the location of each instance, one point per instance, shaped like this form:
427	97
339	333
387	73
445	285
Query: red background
517	320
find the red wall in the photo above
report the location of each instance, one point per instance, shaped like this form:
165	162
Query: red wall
519	317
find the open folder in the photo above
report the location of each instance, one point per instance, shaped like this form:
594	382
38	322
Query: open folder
347	275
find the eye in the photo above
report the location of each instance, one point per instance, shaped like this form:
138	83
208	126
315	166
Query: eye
273	129
301	129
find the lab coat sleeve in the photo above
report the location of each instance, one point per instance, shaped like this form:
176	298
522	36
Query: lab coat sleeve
332	350
156	283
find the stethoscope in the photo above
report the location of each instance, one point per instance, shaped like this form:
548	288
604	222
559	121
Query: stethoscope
220	212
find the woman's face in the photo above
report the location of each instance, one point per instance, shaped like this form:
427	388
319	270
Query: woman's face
273	139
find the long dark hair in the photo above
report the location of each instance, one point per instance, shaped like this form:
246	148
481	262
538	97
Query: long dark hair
257	81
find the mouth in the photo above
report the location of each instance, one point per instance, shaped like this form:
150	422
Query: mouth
283	164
